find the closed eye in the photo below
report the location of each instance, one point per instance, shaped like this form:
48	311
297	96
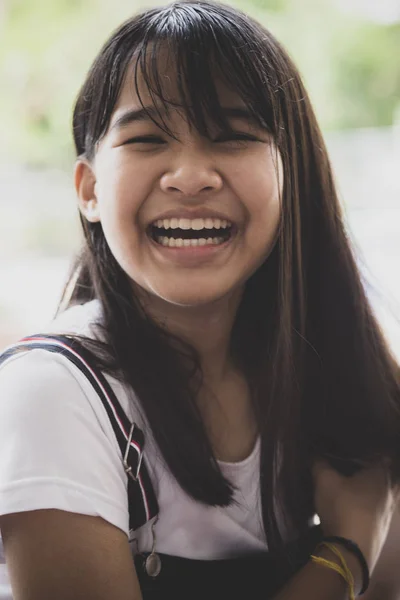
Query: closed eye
145	139
237	137
229	137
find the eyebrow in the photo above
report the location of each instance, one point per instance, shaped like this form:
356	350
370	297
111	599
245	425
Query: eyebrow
142	115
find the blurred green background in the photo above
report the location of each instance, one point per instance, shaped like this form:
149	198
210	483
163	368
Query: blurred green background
348	52
350	64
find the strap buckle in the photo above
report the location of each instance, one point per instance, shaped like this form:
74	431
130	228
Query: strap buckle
127	467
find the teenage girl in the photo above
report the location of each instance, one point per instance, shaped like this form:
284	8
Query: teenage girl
215	377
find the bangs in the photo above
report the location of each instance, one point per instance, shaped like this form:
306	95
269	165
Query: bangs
205	45
202	48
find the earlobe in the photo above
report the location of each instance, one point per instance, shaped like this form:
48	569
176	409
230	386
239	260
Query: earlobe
85	186
92	211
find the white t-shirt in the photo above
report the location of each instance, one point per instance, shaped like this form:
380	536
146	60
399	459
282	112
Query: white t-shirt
58	450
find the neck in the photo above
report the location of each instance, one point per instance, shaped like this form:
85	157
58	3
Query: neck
206	328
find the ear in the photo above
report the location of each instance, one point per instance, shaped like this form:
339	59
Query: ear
85	186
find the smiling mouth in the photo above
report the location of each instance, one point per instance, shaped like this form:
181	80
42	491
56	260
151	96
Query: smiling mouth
180	238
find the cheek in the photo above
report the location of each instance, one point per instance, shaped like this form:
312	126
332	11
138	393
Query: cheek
122	189
264	225
263	207
260	189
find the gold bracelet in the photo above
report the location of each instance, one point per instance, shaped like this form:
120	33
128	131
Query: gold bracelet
343	571
340	556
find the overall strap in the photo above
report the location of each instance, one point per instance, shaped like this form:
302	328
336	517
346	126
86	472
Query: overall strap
143	505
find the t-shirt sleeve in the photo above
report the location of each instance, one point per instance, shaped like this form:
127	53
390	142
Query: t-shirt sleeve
57	447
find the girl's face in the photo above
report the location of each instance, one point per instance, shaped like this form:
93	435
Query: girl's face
188	220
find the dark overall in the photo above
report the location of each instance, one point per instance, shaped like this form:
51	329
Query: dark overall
254	576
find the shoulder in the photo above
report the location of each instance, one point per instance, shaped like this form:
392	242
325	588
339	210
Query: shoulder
47	383
44	396
58	447
54	390
41	382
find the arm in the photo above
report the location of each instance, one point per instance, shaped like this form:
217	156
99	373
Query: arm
56	554
314	582
361	508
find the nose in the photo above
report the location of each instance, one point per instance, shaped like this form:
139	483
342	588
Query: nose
191	176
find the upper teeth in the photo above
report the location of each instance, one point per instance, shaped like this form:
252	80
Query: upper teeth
196	224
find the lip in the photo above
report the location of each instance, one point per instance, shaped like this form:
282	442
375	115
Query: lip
191	256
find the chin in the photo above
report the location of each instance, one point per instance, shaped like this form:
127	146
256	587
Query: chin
191	297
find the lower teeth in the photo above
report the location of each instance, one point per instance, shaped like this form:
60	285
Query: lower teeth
179	242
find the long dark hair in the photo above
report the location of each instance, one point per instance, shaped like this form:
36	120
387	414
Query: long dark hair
323	379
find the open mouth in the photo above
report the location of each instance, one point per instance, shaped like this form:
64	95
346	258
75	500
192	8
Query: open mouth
179	233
